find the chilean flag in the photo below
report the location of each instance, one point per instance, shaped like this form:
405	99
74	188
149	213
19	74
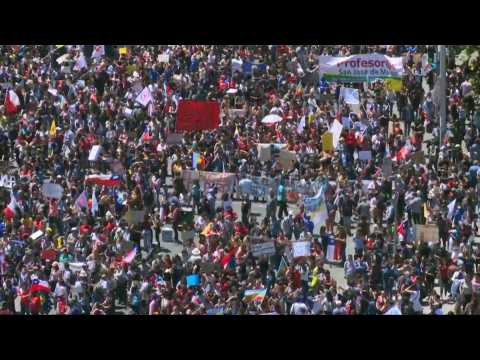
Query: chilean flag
331	246
12	102
130	256
9	211
40	285
103	180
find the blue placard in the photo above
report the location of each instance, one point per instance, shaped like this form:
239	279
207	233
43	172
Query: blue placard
193	280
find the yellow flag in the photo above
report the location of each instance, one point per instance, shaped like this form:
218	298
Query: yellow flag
393	84
311	118
131	68
327	141
122	51
59	46
53	129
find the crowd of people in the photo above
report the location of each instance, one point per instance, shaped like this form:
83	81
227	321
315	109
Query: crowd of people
81	252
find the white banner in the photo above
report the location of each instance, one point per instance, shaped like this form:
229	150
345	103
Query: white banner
360	68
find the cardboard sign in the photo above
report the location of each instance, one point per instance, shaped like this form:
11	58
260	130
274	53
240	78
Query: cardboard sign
263	249
51	190
301	248
326	98
193	280
236	113
210	267
134	217
427	233
387	168
287	159
174	139
365	155
95	152
418	157
264	152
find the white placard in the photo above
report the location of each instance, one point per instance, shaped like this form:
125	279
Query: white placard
36	235
52	91
365	155
51	190
128	112
95	152
263	249
301	248
163	58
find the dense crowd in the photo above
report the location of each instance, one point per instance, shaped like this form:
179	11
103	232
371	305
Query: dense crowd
81	252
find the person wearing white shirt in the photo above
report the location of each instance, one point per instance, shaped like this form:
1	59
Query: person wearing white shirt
299	308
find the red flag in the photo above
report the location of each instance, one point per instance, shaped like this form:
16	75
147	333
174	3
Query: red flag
194	115
401	229
402	154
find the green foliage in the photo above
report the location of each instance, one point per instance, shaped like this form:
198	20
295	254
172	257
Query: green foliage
467	57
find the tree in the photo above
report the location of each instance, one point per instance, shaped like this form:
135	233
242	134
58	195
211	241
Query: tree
467	57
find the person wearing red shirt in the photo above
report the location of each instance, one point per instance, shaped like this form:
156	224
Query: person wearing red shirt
35	304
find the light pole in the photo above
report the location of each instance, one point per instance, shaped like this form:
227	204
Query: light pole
443	94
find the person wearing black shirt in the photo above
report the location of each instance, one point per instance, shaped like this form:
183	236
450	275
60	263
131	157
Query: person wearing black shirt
346	211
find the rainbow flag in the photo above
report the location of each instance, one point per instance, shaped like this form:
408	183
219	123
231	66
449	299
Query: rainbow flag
198	160
256	295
